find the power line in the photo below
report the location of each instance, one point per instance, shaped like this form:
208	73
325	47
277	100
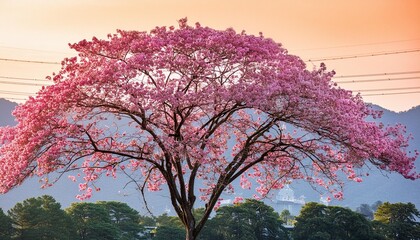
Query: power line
27	61
34	50
376	74
305	49
21	83
362	55
310	60
388	89
396	93
27	79
342	76
335	77
16	93
12	98
379	80
365	95
357	45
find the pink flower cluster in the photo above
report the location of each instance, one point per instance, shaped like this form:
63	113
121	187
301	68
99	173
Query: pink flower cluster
194	104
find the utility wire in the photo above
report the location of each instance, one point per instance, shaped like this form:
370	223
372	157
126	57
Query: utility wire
365	90
16	93
376	74
335	77
12	98
339	81
304	49
357	45
22	83
365	95
27	61
34	50
387	89
27	79
310	60
379	80
384	94
362	90
361	55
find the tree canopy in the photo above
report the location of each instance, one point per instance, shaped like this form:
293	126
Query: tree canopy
40	218
43	218
125	218
92	221
317	221
398	220
6	228
251	220
193	106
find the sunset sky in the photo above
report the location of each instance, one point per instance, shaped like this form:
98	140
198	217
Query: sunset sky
378	38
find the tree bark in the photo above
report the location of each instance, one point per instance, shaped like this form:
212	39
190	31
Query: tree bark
190	233
190	228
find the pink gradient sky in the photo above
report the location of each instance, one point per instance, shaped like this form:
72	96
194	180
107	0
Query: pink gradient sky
40	30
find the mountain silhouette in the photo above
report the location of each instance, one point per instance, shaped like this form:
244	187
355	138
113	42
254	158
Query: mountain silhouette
6	108
379	185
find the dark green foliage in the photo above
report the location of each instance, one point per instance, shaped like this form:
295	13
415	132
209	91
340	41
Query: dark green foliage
92	221
40	218
231	223
169	227
317	221
287	217
211	230
147	224
146	221
166	220
124	218
251	220
43	218
6	229
311	222
348	224
397	221
169	232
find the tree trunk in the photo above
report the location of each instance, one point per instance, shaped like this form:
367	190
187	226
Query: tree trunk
190	234
190	226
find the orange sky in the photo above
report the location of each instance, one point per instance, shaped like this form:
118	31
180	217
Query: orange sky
40	30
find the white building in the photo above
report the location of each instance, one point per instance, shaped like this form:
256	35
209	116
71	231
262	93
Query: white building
286	199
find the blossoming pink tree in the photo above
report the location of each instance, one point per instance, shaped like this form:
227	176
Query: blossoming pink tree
195	108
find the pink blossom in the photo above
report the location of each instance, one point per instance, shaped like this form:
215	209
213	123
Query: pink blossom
217	205
238	200
194	105
338	195
72	178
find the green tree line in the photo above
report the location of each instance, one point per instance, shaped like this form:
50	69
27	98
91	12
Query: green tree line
43	218
381	221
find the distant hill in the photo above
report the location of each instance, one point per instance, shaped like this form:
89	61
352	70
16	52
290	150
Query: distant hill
385	186
378	186
6	108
